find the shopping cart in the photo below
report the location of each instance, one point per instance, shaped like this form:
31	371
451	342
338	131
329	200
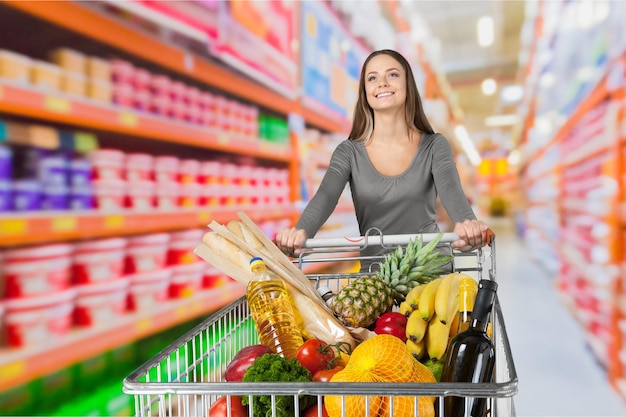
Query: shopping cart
187	377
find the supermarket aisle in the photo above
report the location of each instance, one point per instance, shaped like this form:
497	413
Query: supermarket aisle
558	375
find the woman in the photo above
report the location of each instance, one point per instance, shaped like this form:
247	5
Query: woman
395	163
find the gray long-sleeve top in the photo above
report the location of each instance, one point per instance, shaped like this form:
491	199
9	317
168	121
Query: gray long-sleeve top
399	204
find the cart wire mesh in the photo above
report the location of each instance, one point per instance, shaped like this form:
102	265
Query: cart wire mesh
187	377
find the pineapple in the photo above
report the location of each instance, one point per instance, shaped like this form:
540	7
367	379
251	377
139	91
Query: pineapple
362	301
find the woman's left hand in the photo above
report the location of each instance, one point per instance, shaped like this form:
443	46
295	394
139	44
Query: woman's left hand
472	235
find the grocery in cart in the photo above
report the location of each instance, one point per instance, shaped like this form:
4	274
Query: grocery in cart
376	372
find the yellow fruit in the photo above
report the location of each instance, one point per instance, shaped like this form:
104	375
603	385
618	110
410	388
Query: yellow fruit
355	404
418	350
381	358
405	406
426	304
437	338
416	327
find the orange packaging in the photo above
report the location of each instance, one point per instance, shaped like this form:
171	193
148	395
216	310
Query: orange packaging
14	66
69	60
73	83
99	90
46	75
98	68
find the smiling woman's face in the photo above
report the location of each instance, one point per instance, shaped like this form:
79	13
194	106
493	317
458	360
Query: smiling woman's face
385	83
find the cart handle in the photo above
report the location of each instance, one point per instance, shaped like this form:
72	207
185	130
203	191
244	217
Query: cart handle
387	240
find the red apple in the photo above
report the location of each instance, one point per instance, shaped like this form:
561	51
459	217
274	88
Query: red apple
242	361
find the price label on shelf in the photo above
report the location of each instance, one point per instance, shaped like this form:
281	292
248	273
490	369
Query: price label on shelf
223	139
143	325
114	222
64	224
204	217
57	104
12	370
12	227
128	119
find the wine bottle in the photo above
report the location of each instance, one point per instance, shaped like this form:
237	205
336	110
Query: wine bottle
471	356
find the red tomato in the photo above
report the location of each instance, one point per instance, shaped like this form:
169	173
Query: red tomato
392	329
221	406
324	375
315	355
392	317
314	410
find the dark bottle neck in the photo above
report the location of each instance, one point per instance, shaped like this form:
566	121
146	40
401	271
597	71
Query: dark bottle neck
485	298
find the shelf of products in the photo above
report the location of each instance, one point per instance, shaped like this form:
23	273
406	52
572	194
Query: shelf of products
21	365
573	170
38	228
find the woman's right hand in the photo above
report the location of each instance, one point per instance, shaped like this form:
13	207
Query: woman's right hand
290	241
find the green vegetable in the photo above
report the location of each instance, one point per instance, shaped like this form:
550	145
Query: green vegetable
272	367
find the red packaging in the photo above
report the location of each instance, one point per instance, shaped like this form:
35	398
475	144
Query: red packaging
148	290
99	260
147	253
186	280
100	304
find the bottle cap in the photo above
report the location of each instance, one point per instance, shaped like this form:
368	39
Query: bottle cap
256	258
488	284
256	261
324	292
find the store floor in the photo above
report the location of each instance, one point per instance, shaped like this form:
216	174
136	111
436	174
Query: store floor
558	375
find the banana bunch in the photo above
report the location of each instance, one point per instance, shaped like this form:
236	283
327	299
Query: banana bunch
431	310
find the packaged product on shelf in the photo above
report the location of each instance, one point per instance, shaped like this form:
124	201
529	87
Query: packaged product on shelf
26	195
210	172
69	59
166	168
122	72
190	194
6	163
181	246
98	69
148	290
109	194
139	167
53	170
79	172
186	280
37	270
167	195
123	95
81	197
55	197
160	85
73	83
213	277
99	260
147	252
107	164
5	196
34	321
100	90
140	195
189	170
142	100
15	66
140	80
101	303
177	90
45	75
160	105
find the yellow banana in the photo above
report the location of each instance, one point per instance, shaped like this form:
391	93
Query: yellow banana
405	308
418	350
416	327
447	297
454	325
413	296
426	304
437	338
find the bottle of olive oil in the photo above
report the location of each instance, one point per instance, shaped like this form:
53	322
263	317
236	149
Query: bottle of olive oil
272	311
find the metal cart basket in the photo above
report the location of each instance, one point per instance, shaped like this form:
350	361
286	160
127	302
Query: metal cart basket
187	377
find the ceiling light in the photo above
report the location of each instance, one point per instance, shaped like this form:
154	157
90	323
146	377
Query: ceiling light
502	120
468	146
511	93
485	31
489	86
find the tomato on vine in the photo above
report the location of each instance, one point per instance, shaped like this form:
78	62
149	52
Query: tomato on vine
315	355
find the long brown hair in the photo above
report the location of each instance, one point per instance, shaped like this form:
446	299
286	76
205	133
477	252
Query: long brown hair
363	123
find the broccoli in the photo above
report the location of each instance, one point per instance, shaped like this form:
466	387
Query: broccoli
272	367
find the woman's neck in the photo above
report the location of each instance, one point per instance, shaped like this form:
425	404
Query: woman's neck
391	129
